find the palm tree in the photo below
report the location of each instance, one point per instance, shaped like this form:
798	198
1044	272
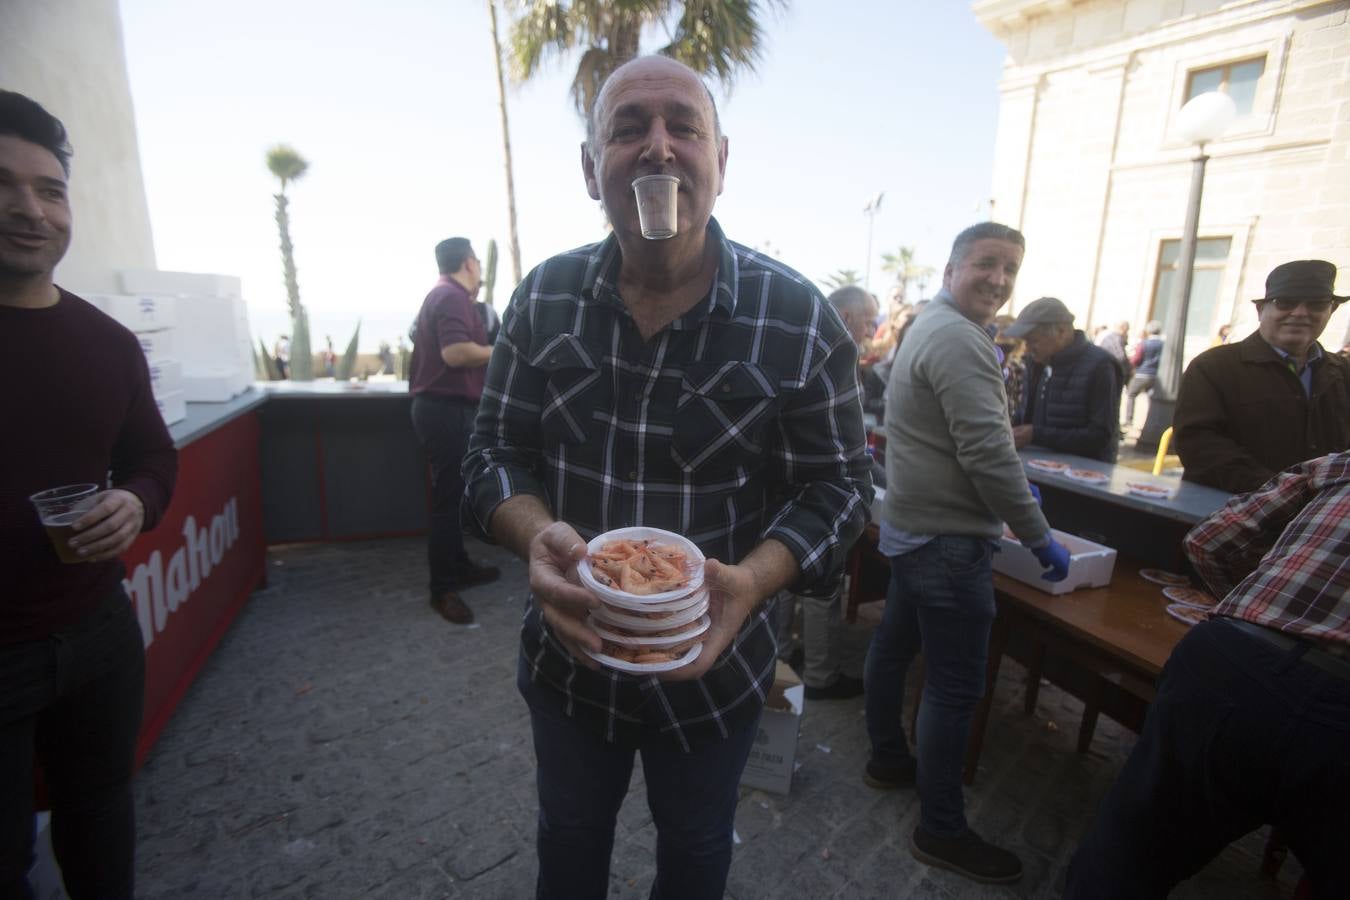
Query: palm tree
901	264
506	144
841	278
288	166
712	37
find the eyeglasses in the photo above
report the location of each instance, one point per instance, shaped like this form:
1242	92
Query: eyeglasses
1289	304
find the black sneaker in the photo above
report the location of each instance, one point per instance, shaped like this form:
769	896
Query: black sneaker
842	688
969	855
890	778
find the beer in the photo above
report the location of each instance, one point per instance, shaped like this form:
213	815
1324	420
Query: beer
60	529
59	509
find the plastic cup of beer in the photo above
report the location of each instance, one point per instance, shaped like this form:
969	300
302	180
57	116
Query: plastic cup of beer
59	509
657	205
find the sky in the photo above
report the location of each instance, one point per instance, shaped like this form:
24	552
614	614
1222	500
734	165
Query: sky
394	104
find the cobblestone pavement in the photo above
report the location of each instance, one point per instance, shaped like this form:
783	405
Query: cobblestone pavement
346	742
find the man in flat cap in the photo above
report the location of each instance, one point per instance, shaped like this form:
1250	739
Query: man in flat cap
1251	409
1073	386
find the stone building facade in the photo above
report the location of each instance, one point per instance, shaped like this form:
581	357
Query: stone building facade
1089	166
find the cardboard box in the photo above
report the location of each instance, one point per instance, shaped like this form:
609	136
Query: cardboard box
139	312
213	335
773	756
155	281
212	385
172	407
158	346
1090	564
166	376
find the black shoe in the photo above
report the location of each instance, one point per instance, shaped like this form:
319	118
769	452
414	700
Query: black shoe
473	575
969	855
889	778
842	688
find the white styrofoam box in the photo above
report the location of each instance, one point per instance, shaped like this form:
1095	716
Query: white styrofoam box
166	376
214	385
773	755
139	312
1090	564
158	345
211	331
172	407
155	281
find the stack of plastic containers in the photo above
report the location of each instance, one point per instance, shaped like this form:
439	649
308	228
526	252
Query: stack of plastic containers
654	625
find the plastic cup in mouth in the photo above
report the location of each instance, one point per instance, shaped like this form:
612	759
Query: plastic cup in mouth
59	509
657	205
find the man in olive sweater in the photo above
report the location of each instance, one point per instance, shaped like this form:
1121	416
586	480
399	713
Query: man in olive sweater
953	477
72	664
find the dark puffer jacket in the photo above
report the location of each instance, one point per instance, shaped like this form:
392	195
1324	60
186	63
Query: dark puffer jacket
1073	404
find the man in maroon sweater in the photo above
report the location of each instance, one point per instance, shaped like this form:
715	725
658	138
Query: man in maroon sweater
449	361
72	664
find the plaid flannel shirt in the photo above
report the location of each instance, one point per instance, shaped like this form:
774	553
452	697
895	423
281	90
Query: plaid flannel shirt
1280	555
740	421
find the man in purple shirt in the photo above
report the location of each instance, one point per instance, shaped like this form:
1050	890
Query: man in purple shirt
449	360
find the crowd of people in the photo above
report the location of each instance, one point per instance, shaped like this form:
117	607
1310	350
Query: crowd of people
696	385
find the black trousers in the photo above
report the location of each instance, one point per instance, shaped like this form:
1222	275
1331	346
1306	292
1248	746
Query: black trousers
74	701
1240	734
443	425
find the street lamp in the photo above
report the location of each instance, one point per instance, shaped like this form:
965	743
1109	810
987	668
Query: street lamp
1203	119
870	210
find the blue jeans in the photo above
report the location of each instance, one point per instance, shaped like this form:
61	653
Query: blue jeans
582	781
1240	734
941	600
74	701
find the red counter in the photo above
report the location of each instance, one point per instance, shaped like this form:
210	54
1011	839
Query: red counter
190	576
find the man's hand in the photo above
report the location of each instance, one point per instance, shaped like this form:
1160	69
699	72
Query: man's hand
1055	557
110	526
732	595
1022	435
553	557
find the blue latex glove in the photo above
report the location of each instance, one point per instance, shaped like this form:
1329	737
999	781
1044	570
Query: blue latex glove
1055	557
1035	493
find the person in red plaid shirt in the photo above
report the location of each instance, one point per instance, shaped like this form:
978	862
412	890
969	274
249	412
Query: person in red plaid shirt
1251	724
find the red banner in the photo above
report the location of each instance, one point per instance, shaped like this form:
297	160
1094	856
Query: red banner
189	576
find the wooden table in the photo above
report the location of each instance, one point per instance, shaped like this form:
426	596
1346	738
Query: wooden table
1109	643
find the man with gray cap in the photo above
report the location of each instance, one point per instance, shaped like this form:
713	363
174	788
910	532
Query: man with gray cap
1073	386
1251	409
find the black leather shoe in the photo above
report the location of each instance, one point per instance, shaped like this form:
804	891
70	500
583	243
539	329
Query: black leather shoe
889	778
473	575
969	855
842	688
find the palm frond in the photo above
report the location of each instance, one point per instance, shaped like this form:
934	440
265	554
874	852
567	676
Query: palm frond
286	164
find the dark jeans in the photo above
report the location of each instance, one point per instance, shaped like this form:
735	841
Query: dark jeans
1240	734
582	781
75	698
941	600
443	425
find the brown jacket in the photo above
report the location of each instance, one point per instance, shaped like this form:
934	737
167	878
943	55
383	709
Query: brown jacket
1242	415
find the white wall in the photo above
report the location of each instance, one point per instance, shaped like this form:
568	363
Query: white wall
68	56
